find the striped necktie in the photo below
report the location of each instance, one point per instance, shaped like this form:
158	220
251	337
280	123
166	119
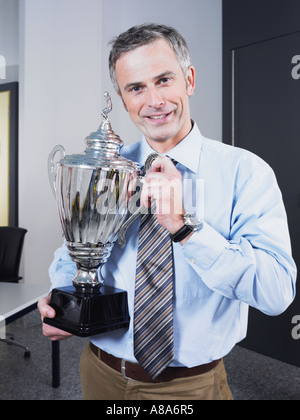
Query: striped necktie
153	309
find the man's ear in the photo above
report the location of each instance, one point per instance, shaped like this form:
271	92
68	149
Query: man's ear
191	76
119	93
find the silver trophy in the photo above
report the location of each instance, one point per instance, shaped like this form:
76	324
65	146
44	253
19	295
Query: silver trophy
93	192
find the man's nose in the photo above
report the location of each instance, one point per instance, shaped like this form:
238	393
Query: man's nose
155	98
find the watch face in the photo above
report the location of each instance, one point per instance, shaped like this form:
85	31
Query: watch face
191	220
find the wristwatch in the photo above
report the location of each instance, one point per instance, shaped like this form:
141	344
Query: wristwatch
191	224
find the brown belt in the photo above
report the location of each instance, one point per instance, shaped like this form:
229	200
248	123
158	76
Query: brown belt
137	373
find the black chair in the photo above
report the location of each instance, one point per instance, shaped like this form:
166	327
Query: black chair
11	247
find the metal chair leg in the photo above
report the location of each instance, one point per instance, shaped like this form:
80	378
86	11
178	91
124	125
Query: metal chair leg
12	342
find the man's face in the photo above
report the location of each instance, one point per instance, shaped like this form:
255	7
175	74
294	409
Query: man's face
156	93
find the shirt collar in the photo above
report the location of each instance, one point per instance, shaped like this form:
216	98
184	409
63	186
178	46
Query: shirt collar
187	152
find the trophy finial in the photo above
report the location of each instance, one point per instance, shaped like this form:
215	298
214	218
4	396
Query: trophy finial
108	108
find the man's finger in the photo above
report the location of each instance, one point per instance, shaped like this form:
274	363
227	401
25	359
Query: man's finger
54	333
163	164
45	309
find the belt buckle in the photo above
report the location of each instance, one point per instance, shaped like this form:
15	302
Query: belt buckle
123	371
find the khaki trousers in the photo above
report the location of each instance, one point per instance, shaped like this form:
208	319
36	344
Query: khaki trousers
100	382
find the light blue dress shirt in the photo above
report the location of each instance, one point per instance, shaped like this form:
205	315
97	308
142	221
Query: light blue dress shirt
241	257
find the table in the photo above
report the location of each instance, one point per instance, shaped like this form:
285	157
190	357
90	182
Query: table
17	300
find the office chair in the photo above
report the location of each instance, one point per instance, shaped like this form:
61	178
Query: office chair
11	246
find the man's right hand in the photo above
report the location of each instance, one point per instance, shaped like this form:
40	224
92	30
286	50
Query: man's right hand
46	311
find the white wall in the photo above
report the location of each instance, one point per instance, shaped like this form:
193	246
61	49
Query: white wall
200	22
62	57
60	72
9	45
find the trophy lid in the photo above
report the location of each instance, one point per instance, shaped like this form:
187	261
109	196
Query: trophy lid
103	148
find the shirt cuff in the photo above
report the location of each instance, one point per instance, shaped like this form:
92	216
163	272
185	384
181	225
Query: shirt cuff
204	248
61	280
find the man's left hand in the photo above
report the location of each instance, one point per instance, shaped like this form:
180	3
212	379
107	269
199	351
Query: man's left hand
163	183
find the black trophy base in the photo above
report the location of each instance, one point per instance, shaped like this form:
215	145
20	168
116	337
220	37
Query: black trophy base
85	315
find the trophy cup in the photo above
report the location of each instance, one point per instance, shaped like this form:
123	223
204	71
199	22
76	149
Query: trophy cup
93	192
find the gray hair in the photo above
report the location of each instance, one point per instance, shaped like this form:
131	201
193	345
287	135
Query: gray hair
138	36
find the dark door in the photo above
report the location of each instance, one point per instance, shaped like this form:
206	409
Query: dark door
261	113
266	121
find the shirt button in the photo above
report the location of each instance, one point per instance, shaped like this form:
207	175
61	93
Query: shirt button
192	261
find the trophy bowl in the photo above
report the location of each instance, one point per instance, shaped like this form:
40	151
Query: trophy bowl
93	191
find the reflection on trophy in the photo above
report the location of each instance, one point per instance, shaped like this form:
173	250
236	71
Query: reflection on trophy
93	192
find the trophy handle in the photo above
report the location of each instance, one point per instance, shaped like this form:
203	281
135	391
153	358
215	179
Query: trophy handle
141	210
52	166
129	221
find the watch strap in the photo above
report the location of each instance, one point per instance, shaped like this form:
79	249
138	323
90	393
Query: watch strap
182	233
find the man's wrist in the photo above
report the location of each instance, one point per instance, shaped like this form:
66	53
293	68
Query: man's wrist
179	224
190	224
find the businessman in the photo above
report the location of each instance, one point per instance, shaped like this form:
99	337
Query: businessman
192	271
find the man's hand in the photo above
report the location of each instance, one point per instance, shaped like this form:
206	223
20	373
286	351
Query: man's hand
163	183
46	311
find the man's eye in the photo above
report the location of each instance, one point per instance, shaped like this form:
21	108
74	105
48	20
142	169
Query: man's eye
165	80
136	89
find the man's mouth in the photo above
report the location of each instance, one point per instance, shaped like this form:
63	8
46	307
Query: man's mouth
160	117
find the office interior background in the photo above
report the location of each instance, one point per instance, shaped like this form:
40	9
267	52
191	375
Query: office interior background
57	51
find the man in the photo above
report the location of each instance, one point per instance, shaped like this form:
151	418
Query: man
238	255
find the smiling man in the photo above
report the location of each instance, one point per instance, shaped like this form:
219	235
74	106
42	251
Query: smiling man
190	280
155	92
